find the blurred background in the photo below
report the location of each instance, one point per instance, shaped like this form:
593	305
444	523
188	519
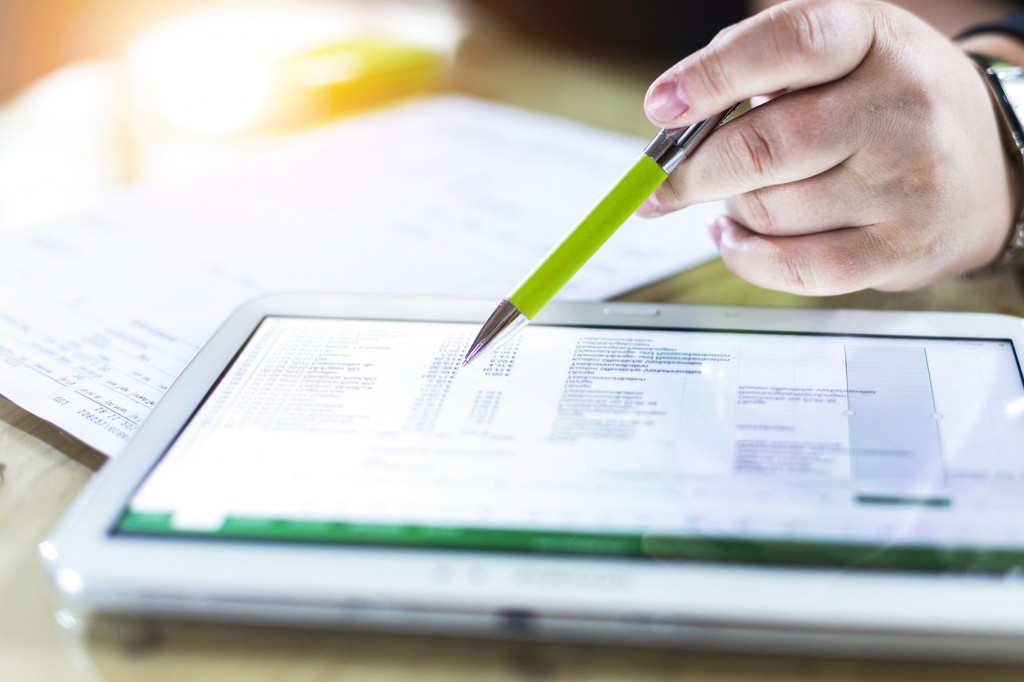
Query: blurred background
96	94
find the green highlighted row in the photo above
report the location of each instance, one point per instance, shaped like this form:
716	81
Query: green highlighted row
625	545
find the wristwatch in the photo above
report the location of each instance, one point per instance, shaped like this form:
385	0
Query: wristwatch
1006	82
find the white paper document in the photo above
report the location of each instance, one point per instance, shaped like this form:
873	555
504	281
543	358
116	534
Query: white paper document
101	311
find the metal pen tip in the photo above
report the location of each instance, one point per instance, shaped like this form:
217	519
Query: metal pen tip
471	354
504	323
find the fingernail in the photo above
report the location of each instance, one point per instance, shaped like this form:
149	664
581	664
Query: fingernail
667	101
715	230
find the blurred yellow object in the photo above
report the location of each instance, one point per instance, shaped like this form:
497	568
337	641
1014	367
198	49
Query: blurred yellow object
221	91
258	67
347	76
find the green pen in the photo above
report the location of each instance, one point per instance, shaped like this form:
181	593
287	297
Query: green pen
668	149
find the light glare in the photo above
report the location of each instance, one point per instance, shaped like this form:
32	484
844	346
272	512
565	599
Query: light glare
216	71
70	582
1015	408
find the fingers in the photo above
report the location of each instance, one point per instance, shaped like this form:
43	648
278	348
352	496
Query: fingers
796	136
822	264
833	200
794	45
876	166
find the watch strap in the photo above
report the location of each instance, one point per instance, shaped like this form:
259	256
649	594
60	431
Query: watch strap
997	73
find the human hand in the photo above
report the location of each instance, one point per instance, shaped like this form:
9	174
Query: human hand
876	163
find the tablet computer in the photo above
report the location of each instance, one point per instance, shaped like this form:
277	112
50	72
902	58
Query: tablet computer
782	480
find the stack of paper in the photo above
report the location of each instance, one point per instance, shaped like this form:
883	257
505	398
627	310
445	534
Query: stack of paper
100	312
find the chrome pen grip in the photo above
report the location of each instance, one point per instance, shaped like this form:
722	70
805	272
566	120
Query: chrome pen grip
672	146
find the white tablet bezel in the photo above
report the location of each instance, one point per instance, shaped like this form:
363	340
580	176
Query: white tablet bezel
759	607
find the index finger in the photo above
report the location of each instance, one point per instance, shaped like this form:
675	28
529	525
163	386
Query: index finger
790	46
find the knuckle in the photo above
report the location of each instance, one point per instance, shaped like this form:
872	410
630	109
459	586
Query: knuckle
749	153
800	33
756	214
819	274
712	76
796	274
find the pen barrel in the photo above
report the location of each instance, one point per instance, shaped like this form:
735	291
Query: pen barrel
577	247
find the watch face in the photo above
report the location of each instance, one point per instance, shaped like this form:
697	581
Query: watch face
1010	81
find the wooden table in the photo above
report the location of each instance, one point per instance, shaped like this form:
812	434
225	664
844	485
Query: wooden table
42	470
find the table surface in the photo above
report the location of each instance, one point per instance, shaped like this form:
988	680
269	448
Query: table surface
41	470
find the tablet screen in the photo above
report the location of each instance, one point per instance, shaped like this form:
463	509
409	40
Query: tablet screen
645	443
